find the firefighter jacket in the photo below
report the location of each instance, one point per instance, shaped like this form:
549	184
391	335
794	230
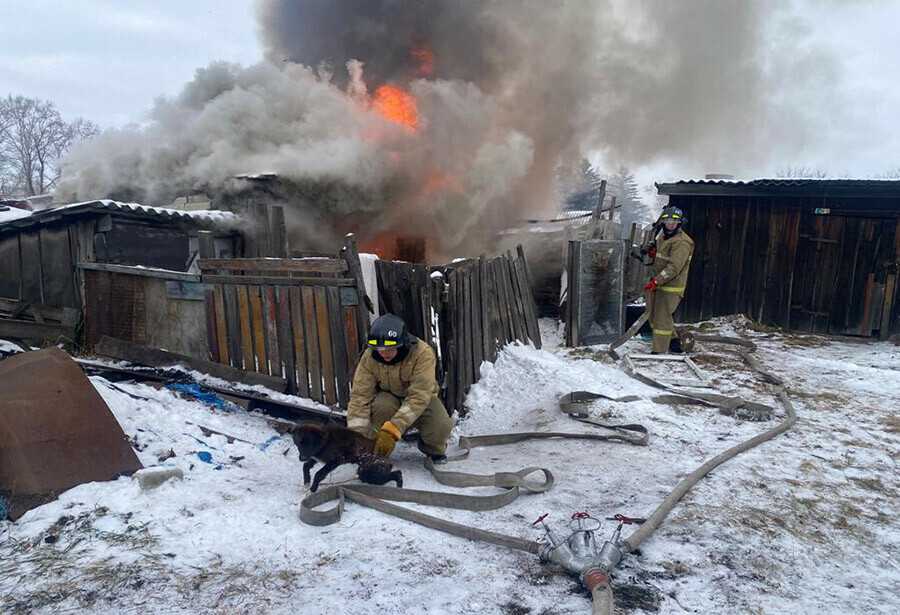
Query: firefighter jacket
673	260
412	380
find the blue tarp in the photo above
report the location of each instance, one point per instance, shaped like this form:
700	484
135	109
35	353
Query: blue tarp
201	393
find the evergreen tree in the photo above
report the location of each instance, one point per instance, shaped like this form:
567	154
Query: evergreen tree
624	187
579	188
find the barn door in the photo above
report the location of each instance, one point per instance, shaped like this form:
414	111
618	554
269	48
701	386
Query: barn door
817	260
843	282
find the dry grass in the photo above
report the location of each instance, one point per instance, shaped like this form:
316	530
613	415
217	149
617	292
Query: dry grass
834	401
891	423
600	356
874	484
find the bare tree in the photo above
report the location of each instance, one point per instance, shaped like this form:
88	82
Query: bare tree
800	171
33	137
893	173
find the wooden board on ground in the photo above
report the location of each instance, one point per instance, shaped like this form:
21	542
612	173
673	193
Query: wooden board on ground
141	355
633	361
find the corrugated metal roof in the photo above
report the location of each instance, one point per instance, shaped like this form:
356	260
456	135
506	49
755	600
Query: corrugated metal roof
789	181
575	214
133	210
859	188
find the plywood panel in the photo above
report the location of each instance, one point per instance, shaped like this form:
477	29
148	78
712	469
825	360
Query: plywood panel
31	267
9	262
56	268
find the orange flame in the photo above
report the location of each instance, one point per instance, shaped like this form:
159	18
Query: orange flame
424	59
396	105
438	181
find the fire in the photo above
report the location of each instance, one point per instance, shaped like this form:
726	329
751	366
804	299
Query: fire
438	181
396	105
424	60
389	245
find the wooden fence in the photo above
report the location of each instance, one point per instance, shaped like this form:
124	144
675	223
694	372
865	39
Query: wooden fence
468	312
301	319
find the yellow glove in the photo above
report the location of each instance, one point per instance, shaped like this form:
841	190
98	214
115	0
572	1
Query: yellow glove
386	439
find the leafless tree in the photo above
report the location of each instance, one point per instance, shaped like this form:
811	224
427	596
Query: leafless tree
893	173
800	171
33	136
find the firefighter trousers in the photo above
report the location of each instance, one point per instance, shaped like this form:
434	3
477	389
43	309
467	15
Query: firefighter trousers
662	306
434	424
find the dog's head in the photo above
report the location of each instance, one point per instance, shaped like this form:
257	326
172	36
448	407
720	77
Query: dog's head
309	440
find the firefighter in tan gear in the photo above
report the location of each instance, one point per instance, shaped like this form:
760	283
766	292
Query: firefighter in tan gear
670	274
395	388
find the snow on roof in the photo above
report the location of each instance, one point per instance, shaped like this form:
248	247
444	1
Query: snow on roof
202	214
786	181
8	214
206	215
851	188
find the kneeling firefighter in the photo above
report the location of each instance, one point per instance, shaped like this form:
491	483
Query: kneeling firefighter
395	388
669	281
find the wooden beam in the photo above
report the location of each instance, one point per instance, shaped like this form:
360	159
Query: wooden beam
351	256
311	265
259	398
37	332
275	280
161	274
142	355
889	288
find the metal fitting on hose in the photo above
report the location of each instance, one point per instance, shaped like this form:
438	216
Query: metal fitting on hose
610	556
593	577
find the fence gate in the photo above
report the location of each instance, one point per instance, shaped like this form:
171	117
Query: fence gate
302	319
479	306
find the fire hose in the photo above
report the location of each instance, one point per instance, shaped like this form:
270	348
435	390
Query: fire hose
579	553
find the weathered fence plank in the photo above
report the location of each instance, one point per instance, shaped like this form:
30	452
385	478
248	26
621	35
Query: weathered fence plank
312	343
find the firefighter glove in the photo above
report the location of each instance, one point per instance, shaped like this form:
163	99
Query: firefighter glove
651	285
386	439
652	252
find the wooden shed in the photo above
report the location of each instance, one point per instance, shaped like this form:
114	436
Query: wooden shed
818	255
98	258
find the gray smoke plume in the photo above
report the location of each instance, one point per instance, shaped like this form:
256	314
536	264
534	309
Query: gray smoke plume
506	92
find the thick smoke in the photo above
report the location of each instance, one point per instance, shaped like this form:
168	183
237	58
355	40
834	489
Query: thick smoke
507	91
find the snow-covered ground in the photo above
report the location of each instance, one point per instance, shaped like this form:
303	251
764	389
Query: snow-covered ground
805	523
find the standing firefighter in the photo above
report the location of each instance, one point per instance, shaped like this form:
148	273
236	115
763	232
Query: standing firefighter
670	274
394	388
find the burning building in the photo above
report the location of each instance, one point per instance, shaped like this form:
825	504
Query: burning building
448	120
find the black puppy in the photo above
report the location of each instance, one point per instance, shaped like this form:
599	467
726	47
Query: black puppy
336	445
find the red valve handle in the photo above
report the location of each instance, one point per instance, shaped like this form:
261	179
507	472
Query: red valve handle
541	518
580	515
623	519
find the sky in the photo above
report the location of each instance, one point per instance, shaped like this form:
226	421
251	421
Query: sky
108	61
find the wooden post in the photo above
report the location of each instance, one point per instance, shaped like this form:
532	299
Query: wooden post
278	234
598	211
612	209
207	249
889	287
573	303
258	233
350	254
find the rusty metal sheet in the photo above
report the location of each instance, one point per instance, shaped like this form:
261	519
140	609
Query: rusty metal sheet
56	431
